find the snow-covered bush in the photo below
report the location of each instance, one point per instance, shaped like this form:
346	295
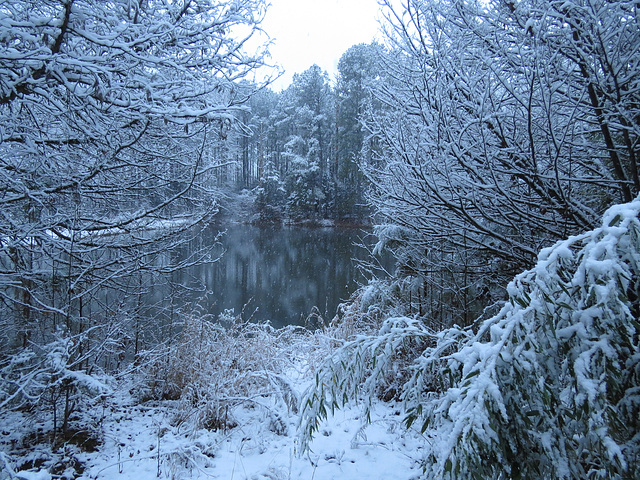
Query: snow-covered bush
363	312
216	365
363	369
547	388
50	377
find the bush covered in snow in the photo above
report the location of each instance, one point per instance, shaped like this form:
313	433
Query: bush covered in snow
49	378
215	365
547	388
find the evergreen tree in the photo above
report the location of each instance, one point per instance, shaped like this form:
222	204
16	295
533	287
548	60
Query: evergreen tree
358	68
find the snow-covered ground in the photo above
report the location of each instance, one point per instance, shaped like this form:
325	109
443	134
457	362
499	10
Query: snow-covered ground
150	440
255	449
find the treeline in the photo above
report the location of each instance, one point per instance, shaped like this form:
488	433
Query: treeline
299	150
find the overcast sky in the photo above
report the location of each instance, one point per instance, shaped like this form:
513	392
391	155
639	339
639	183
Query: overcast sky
317	31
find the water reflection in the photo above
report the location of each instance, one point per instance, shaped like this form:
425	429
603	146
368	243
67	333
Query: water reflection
280	273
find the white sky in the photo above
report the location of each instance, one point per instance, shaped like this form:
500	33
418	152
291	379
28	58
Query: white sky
305	32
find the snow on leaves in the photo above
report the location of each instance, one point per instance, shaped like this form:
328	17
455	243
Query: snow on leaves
547	388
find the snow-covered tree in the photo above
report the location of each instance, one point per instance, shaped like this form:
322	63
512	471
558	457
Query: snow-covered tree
307	117
270	195
512	125
358	70
108	111
547	388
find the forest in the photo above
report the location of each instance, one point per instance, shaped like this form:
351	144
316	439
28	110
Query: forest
298	152
492	146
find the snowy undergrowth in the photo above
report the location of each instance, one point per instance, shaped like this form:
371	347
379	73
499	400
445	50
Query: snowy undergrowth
220	401
215	365
547	388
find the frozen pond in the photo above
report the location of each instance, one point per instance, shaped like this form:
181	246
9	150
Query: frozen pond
280	274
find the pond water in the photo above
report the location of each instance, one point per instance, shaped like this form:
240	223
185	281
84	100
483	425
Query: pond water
280	274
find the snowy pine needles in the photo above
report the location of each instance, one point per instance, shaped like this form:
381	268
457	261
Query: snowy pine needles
547	388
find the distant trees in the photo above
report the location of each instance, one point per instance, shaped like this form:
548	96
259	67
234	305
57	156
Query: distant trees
294	150
305	160
110	116
309	118
359	71
509	126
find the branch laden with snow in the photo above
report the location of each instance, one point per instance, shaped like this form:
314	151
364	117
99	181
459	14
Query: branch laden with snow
547	388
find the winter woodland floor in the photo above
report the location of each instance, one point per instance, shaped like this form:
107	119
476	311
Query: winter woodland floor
153	439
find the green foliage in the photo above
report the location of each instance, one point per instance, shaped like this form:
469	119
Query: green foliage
361	370
547	388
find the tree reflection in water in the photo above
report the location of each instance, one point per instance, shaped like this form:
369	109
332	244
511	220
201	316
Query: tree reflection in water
278	273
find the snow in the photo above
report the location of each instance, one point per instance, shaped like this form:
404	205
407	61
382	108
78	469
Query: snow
141	442
386	234
564	334
41	475
147	440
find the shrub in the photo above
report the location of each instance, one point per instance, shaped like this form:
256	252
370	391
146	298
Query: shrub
52	378
216	365
547	388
